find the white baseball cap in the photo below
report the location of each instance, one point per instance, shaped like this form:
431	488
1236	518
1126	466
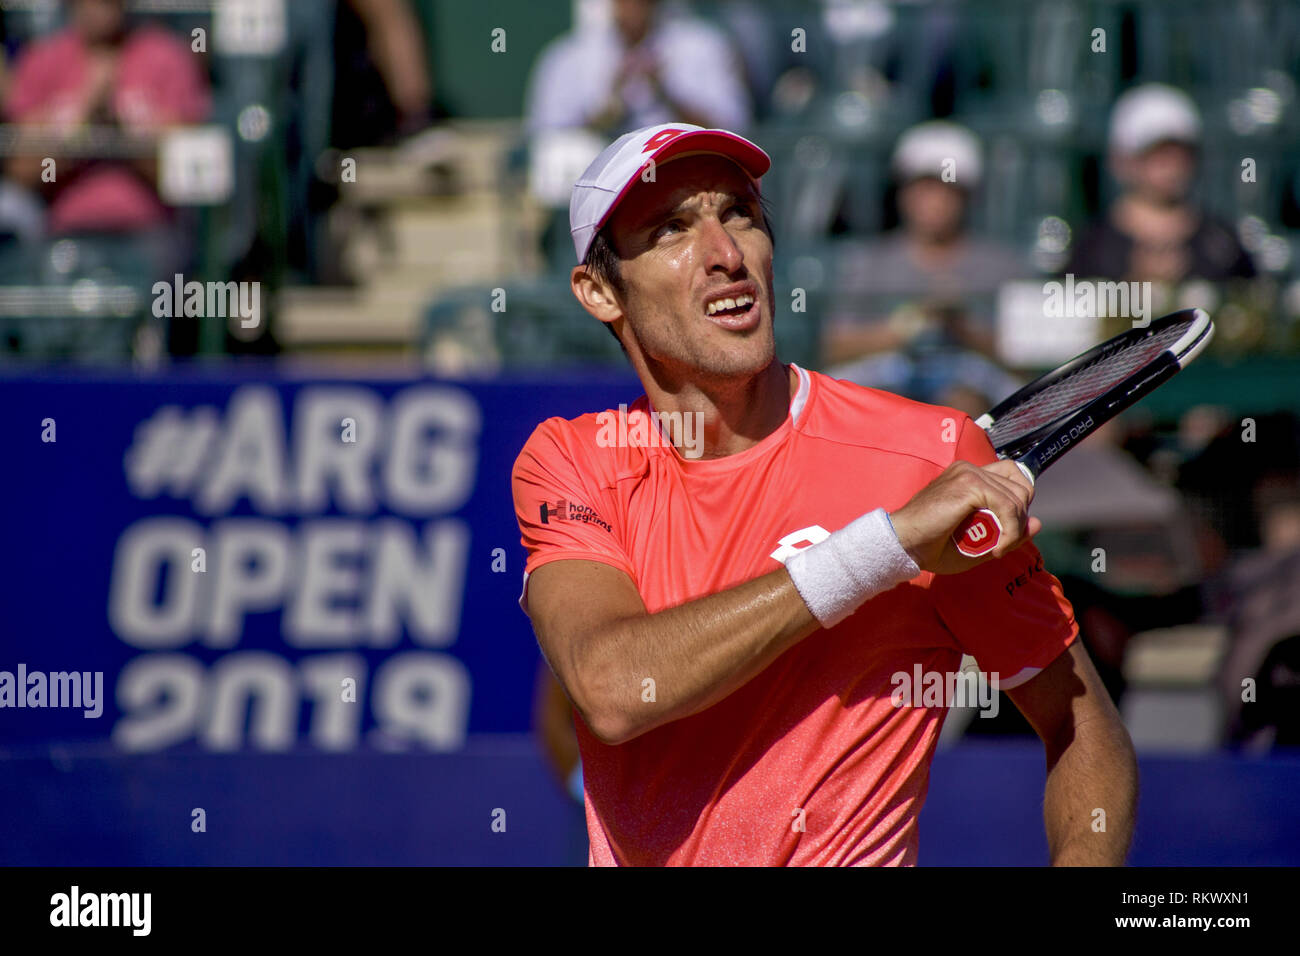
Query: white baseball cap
611	174
1151	114
923	151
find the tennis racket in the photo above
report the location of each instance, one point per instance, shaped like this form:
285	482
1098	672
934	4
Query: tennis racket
1049	416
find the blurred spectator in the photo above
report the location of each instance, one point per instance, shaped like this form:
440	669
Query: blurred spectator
22	216
934	270
1223	477
1154	231
651	64
648	62
1265	628
1246	495
382	88
380	94
932	261
4	56
103	71
759	45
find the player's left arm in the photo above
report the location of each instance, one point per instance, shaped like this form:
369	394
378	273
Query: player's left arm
1091	765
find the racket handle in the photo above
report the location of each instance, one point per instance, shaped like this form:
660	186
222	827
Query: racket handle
979	534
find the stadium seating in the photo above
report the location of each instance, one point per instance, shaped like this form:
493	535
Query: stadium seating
1028	78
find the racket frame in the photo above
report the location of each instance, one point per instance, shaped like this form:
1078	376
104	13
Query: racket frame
1035	451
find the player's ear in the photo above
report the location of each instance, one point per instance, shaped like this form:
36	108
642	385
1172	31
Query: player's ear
597	296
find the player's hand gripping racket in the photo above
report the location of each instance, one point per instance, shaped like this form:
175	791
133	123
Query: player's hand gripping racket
1052	414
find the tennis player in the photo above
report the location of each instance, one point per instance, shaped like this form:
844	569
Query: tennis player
737	578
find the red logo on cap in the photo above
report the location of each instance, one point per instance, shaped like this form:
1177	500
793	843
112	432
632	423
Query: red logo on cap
661	137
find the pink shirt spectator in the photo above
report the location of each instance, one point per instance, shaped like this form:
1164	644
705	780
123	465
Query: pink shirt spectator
157	83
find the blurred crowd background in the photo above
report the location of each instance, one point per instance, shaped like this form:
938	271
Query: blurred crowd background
395	174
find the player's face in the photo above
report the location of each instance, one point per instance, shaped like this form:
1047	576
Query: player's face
691	242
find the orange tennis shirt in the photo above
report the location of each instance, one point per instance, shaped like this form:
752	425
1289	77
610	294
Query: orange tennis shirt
810	762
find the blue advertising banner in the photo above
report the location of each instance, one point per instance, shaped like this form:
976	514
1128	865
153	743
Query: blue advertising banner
245	560
250	617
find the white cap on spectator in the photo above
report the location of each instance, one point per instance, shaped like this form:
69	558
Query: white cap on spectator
1151	114
612	173
941	150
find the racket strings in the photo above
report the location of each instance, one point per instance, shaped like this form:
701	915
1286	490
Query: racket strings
1075	390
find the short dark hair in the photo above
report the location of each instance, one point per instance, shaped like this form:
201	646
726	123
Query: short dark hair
604	264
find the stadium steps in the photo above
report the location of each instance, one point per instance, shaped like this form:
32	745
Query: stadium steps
415	224
1173	701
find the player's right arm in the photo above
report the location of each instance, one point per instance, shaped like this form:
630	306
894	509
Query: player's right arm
603	644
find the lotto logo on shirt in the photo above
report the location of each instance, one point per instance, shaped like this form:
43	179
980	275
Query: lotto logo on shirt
563	510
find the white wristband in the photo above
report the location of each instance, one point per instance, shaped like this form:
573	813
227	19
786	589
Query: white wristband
864	558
